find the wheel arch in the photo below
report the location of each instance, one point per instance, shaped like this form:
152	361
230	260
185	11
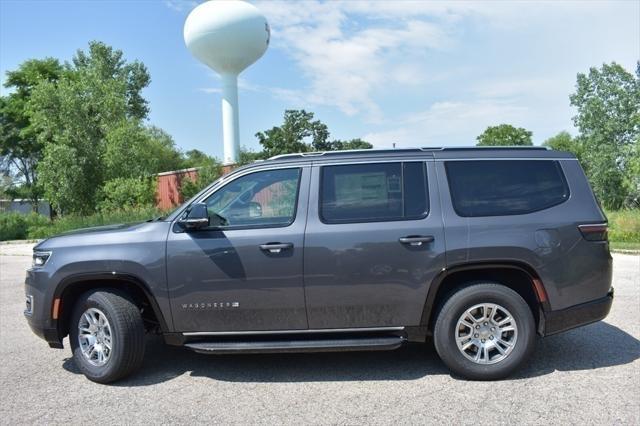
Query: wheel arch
518	276
72	287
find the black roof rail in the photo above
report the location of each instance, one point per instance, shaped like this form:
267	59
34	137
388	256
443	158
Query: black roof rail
401	151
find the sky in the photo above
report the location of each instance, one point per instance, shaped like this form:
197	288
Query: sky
409	73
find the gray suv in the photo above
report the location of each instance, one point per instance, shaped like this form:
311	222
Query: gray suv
478	249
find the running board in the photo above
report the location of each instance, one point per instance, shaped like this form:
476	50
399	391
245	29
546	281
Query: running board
385	343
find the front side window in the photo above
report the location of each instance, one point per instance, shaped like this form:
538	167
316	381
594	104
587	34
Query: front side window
373	192
505	187
266	198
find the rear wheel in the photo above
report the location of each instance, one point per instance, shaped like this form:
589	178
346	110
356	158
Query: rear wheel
106	336
484	331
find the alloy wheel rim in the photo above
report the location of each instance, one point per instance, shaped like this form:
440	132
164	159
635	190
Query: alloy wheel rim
486	333
95	337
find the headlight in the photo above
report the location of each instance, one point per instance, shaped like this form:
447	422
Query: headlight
40	258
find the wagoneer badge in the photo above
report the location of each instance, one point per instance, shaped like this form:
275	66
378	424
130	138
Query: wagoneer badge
211	305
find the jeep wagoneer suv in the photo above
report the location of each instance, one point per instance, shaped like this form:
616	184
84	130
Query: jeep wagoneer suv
479	249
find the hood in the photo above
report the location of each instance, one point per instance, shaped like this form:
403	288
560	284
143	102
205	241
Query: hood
119	233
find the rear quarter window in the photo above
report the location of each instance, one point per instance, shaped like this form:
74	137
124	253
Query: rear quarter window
505	187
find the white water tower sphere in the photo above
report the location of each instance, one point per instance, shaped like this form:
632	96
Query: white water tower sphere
228	36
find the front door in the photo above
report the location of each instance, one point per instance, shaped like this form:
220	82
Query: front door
247	273
373	245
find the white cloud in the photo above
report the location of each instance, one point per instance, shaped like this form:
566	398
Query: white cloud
448	124
180	5
345	63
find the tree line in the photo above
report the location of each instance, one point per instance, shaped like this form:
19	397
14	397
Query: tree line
77	135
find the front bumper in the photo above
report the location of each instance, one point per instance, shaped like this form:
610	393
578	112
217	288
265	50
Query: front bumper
51	335
576	316
38	289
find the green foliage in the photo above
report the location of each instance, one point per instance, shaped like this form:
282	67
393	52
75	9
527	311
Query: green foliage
358	143
93	106
300	133
20	149
608	103
128	193
65	186
132	150
624	226
248	156
563	141
505	135
206	175
72	222
15	226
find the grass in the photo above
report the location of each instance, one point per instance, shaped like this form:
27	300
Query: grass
624	246
624	229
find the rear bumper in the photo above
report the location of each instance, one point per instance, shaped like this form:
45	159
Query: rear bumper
576	316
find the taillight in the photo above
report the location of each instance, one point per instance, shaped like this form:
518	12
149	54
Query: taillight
594	232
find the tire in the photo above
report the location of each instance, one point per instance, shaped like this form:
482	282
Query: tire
114	321
507	350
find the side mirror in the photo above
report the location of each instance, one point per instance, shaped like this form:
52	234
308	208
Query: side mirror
196	218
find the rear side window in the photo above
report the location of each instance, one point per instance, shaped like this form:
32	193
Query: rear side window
504	187
373	192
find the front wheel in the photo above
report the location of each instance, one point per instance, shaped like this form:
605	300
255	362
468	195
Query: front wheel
484	332
106	335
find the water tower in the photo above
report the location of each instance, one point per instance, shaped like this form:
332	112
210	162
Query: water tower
228	36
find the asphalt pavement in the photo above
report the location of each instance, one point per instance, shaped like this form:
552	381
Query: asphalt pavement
589	375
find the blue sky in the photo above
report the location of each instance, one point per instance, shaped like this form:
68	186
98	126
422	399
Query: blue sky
412	73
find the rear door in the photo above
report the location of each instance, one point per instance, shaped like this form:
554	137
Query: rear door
374	241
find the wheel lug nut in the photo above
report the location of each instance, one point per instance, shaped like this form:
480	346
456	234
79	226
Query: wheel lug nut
491	337
476	335
493	329
486	323
477	326
483	340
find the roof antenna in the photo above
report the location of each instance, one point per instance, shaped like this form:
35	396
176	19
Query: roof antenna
394	145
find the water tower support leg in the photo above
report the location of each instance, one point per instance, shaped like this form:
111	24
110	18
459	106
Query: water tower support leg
230	125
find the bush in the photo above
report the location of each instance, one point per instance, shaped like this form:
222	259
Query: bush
15	226
128	193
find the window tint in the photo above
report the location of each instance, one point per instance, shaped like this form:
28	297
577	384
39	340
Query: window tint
373	192
502	187
265	198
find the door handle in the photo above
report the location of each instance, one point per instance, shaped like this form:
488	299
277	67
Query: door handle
275	247
416	240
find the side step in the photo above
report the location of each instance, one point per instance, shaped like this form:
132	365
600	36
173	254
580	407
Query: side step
385	343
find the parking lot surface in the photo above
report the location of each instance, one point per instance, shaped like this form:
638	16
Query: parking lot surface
588	375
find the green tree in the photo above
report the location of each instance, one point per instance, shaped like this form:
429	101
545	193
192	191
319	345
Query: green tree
607	100
128	193
62	170
291	136
90	104
132	150
358	143
505	135
301	133
563	141
248	156
20	148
